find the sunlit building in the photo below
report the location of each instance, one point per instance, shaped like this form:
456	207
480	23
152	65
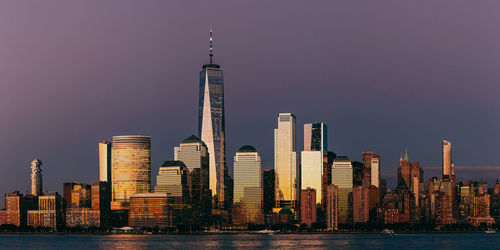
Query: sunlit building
365	201
49	213
248	184
131	168
105	161
172	179
313	157
155	210
308	206
371	169
16	207
194	154
342	178
286	163
77	195
332	207
448	170
211	125
36	177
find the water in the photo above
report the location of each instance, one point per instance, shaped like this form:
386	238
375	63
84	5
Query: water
252	241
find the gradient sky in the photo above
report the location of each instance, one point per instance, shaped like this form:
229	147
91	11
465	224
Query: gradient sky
383	75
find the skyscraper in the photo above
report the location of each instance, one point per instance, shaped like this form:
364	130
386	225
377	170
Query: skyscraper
286	165
194	154
371	169
211	124
172	179
105	161
342	178
131	168
404	169
313	157
448	170
36	177
247	182
269	189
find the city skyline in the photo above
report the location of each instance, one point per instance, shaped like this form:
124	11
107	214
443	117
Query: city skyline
67	160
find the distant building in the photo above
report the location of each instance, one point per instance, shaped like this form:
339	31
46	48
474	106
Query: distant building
286	163
36	177
49	213
269	189
155	210
105	161
194	154
247	185
77	195
448	170
404	168
342	178
172	179
444	209
131	168
332	207
16	207
371	169
365	203
308	206
313	157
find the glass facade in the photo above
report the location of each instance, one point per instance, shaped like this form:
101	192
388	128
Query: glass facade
172	179
342	178
211	126
286	165
247	182
131	167
313	157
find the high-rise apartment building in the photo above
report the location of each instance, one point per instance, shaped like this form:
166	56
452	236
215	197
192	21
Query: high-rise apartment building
131	168
105	161
286	163
194	154
248	184
332	207
211	125
308	206
364	202
448	170
342	178
36	177
371	169
16	207
172	179
313	157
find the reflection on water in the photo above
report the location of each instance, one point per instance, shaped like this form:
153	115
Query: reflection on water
254	241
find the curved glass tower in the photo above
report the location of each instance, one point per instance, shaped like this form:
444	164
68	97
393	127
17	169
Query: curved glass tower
211	124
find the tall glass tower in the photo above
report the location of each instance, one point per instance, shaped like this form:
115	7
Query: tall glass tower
211	125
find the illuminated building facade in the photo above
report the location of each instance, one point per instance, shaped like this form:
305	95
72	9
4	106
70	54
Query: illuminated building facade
313	157
16	207
36	177
286	164
105	161
49	213
172	179
211	125
342	178
131	168
371	169
308	206
247	183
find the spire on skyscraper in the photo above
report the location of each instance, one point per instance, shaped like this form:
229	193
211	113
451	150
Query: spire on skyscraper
211	53
406	155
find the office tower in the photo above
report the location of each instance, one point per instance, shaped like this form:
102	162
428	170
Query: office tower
404	172
365	201
286	164
16	207
357	173
448	170
342	178
308	206
326	180
247	183
417	182
36	177
101	201
332	207
194	154
155	210
105	161
371	169
130	168
211	125
172	179
77	195
49	213
269	189
313	157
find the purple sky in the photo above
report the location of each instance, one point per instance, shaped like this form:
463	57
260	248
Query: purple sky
383	75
